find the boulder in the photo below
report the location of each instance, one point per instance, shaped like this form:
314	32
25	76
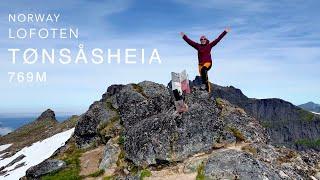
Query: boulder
86	129
110	156
45	167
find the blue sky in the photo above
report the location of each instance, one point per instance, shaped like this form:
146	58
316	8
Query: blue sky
273	49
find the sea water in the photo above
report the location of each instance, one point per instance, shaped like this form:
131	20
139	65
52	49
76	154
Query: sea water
8	124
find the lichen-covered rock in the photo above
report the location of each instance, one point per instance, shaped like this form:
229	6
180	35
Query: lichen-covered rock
295	164
45	167
112	90
135	104
110	156
86	129
154	132
233	164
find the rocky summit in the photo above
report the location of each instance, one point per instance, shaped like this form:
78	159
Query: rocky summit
154	132
47	115
134	132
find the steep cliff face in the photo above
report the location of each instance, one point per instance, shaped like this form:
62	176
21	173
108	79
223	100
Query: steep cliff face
286	123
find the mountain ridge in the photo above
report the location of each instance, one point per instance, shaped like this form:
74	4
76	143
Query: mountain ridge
311	106
286	123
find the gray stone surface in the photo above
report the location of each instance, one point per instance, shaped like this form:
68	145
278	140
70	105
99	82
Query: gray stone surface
45	167
233	164
154	132
86	129
110	155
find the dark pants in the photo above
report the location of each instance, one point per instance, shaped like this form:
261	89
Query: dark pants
203	69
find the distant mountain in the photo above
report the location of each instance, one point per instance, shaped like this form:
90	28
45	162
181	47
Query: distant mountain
288	125
46	125
30	114
311	106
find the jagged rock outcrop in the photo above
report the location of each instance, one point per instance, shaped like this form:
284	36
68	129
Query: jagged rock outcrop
47	115
286	124
100	113
154	132
86	129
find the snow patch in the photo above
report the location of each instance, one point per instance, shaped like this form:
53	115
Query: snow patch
3	155
35	154
4	146
315	113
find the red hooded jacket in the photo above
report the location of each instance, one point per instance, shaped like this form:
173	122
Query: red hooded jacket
204	50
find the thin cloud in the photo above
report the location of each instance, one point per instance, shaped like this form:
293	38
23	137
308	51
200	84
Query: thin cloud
239	5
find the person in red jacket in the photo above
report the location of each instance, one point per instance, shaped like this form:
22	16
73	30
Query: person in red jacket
204	55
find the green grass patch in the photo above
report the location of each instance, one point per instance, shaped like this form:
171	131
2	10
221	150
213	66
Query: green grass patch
236	133
139	89
121	140
71	172
97	173
121	163
250	149
145	173
219	103
310	143
306	115
71	122
200	172
109	128
30	129
109	106
266	124
109	178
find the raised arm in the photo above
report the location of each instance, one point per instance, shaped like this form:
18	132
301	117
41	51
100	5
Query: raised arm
213	43
189	41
